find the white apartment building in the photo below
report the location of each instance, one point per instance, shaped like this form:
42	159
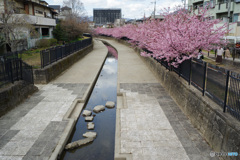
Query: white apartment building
37	13
218	9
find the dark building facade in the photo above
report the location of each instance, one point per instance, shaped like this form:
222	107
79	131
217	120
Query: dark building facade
105	16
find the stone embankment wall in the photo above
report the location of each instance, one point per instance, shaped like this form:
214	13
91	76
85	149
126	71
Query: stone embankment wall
14	94
219	129
45	75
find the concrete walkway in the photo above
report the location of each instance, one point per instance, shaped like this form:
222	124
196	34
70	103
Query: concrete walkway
149	123
32	130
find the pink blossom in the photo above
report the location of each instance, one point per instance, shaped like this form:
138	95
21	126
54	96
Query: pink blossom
177	38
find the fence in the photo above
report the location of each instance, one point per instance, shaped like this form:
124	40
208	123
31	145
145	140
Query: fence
10	55
15	69
219	84
52	55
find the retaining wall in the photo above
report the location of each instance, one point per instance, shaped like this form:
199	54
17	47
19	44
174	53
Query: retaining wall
14	94
219	129
48	73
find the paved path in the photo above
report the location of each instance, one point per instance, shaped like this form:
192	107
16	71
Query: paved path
32	130
228	66
151	124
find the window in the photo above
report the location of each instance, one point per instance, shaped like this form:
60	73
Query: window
45	32
38	12
235	17
206	4
212	3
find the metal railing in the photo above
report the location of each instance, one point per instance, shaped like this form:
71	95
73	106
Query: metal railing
54	54
219	84
15	69
10	55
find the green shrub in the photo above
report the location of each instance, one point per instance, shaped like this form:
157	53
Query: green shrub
53	42
43	43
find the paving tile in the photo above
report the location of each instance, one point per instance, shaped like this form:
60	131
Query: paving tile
2	132
192	150
26	135
151	127
35	158
11	157
7	124
195	157
184	136
9	135
33	129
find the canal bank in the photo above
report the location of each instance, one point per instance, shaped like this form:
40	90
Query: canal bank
105	89
37	128
149	124
85	71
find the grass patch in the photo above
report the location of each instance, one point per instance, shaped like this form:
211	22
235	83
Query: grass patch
211	61
211	52
79	39
32	56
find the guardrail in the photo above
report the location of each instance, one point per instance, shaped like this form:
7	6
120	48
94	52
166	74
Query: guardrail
54	54
219	84
15	69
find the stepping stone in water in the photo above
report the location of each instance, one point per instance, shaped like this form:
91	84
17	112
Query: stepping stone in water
79	143
90	135
98	108
110	104
89	118
86	113
90	126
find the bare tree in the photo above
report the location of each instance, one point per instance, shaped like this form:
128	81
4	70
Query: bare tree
77	7
14	28
74	27
76	22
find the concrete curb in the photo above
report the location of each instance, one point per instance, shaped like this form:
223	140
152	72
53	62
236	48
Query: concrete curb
72	115
121	104
107	43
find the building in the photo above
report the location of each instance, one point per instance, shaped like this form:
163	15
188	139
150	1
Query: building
62	12
159	17
35	12
119	22
218	9
106	16
56	8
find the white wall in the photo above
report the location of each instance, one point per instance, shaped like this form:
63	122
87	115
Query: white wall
1	6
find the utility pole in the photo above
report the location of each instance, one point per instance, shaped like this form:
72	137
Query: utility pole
154	9
229	8
184	2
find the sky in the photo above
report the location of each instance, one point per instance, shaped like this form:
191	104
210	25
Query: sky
130	8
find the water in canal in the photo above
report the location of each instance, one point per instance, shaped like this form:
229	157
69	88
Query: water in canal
102	148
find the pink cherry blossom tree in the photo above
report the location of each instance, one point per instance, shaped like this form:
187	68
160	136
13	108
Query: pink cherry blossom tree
177	38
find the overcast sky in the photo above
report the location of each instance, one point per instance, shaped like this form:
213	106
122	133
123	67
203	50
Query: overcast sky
130	8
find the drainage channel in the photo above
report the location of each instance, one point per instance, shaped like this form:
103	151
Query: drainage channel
105	89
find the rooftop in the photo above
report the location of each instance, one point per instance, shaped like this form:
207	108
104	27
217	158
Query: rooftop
107	9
